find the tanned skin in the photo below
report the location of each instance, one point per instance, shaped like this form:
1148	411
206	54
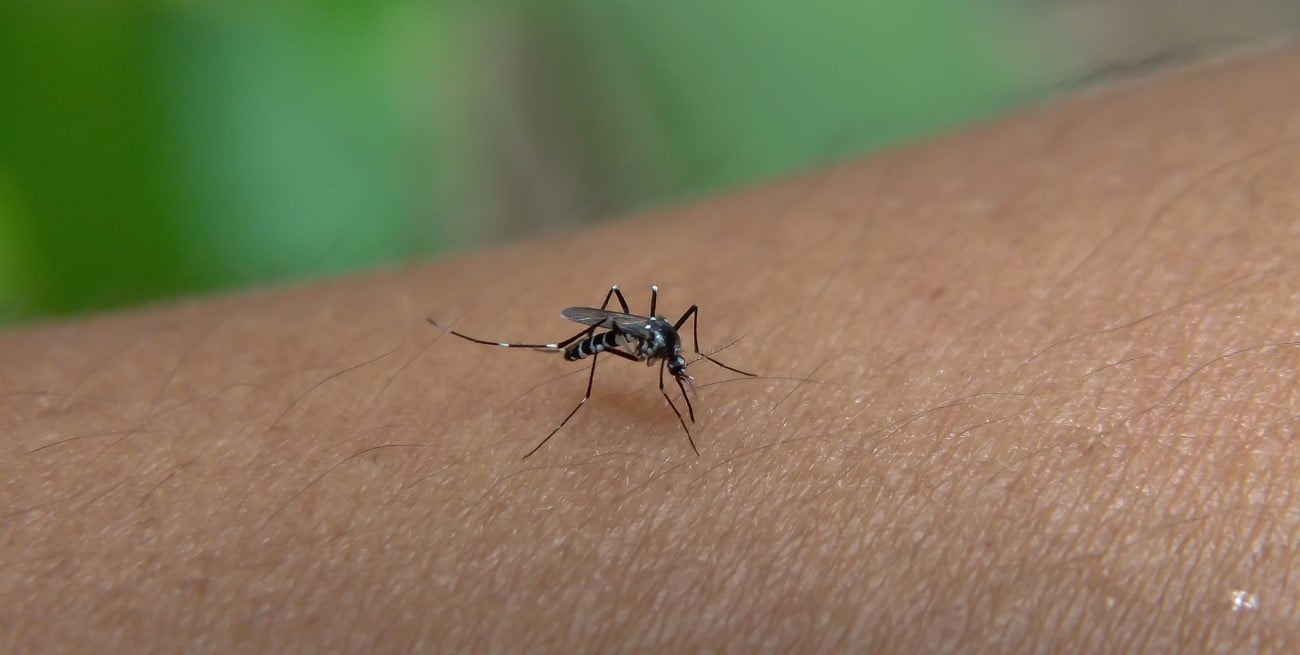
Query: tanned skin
1027	388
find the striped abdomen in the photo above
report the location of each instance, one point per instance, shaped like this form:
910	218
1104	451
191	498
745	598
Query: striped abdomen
596	343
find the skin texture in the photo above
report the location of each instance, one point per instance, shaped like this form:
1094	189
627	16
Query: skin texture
1028	388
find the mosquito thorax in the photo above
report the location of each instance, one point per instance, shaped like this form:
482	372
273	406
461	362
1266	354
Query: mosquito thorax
661	340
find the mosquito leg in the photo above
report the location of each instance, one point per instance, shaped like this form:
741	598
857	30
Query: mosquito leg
695	336
679	414
615	351
687	397
615	292
549	347
654	298
590	379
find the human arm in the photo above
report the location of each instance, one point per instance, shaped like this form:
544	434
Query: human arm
1029	387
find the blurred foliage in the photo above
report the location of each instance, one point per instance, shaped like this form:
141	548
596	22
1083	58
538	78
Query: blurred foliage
152	149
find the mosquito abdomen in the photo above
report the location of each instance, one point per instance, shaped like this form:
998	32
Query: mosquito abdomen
590	346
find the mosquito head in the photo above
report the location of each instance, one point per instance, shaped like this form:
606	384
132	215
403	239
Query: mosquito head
677	366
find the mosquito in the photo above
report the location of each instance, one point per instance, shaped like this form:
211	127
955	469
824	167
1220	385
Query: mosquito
637	338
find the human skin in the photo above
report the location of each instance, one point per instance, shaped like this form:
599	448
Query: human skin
1027	388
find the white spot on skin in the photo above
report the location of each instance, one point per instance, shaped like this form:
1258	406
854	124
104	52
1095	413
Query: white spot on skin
1244	600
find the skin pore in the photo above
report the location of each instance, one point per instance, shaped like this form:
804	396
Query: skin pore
1031	387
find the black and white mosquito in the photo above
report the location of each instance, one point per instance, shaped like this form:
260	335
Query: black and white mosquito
633	337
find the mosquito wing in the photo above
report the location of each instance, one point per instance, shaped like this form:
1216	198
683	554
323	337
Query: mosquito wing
630	324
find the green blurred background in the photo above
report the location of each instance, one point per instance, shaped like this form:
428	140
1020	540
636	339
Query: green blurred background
156	149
